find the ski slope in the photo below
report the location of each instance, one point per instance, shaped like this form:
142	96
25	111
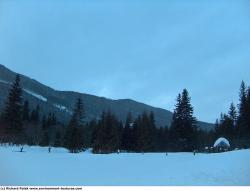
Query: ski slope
36	166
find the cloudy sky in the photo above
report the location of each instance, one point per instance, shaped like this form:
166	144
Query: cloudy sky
139	49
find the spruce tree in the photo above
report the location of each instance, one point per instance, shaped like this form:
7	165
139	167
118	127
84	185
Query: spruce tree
13	112
75	131
73	137
183	128
242	125
144	133
107	134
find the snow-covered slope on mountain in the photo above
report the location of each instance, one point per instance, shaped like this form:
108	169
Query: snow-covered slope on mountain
36	166
35	95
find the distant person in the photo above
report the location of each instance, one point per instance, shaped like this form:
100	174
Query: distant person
21	150
166	154
194	152
49	149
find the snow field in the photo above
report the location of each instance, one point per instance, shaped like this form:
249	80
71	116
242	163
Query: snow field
36	166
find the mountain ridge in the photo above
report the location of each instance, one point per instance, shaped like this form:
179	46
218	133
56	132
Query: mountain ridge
61	102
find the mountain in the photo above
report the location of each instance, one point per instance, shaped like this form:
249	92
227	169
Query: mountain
62	102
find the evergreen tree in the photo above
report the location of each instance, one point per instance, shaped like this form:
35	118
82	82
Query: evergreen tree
144	132
236	127
13	112
183	126
107	134
232	114
73	137
242	125
226	127
74	141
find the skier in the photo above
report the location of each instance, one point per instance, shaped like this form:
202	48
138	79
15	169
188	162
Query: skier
49	149
21	150
194	152
166	154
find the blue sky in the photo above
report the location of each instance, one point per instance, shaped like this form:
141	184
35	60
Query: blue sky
144	50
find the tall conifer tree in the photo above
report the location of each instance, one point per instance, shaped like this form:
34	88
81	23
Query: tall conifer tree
183	126
13	112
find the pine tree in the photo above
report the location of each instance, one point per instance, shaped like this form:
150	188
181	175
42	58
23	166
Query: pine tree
107	134
73	137
144	133
13	112
183	127
242	125
75	131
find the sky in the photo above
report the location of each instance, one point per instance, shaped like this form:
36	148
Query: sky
146	50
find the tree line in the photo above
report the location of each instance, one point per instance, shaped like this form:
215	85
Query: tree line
235	125
20	125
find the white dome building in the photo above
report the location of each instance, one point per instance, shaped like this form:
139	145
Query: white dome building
222	144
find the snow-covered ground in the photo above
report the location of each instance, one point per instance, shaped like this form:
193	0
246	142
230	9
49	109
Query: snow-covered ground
38	167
